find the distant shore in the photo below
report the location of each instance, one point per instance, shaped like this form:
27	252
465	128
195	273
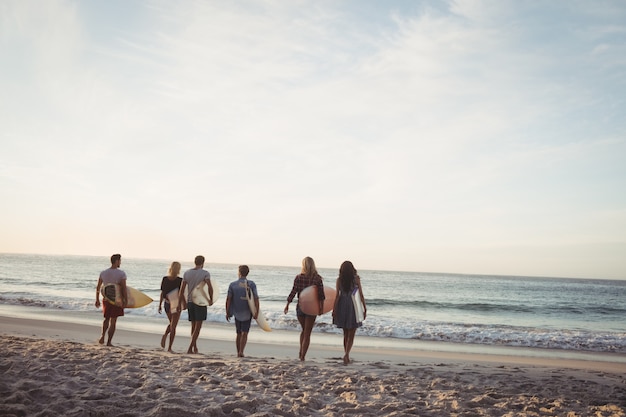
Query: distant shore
44	361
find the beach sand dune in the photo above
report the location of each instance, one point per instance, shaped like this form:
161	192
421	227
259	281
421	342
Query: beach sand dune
44	377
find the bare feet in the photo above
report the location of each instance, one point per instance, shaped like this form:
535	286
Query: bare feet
101	341
163	340
346	360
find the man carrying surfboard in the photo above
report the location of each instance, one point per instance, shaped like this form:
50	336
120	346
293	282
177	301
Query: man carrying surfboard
197	313
237	304
111	276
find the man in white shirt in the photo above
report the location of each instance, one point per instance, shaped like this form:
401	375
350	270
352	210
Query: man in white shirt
117	277
197	314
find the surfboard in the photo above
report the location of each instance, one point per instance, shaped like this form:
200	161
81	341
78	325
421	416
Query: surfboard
309	303
260	320
359	310
200	294
172	297
135	298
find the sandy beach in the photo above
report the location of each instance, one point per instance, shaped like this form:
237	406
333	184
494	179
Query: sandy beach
53	368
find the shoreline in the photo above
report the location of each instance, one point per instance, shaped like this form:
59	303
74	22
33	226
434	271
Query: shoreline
139	332
58	367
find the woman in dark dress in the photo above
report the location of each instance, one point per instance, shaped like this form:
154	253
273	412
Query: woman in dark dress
344	315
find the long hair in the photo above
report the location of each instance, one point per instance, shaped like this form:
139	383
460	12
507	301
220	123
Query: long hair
347	273
174	269
308	267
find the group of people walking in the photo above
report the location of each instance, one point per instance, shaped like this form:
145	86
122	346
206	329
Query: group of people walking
237	305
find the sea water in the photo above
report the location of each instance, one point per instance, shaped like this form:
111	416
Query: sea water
557	314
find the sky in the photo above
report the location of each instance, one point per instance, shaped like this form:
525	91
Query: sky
470	136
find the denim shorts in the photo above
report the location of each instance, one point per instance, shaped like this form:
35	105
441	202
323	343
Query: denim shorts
242	326
300	313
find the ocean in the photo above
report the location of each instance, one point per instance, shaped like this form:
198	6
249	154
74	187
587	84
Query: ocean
471	312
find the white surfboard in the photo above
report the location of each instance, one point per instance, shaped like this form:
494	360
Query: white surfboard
359	310
172	297
200	294
260	320
134	298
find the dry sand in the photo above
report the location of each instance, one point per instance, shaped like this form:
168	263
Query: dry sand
51	369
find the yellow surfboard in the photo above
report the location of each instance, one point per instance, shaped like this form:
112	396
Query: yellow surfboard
135	298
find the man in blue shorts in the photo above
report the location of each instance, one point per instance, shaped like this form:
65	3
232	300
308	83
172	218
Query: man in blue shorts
237	305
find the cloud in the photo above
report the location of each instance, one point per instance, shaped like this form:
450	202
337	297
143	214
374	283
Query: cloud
390	132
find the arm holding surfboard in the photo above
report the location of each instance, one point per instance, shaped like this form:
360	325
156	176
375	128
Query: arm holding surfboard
336	304
98	292
302	283
208	283
122	300
227	306
321	298
124	293
205	293
182	304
